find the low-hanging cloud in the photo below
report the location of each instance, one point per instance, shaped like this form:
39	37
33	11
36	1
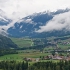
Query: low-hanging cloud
18	9
59	22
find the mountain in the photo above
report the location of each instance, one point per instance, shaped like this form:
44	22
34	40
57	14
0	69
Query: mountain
28	25
3	19
6	43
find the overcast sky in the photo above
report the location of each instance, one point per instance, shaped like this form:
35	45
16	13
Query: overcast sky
15	9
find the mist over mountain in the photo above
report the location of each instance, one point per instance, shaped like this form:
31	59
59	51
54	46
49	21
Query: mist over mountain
37	25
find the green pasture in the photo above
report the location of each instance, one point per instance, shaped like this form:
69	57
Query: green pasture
28	51
10	57
48	48
33	55
64	47
20	56
22	42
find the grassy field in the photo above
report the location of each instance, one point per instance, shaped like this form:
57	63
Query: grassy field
22	42
64	47
10	57
25	42
48	48
20	56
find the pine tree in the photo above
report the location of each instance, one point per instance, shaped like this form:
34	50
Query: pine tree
57	67
49	68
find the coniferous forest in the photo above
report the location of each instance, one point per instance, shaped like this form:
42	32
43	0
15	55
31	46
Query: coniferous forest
13	65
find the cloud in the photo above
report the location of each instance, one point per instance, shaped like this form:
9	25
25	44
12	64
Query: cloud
4	28
59	22
17	9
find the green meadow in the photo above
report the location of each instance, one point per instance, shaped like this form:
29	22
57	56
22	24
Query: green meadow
20	56
22	42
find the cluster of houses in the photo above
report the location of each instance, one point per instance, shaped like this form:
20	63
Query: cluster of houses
55	57
64	43
32	59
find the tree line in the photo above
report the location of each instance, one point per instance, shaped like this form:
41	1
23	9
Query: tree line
49	65
13	65
7	51
61	65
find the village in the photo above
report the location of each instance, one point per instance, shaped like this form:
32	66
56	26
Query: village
55	56
57	51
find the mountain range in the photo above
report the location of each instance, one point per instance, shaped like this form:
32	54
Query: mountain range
27	26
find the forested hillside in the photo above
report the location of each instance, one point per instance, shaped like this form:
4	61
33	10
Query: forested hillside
6	43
